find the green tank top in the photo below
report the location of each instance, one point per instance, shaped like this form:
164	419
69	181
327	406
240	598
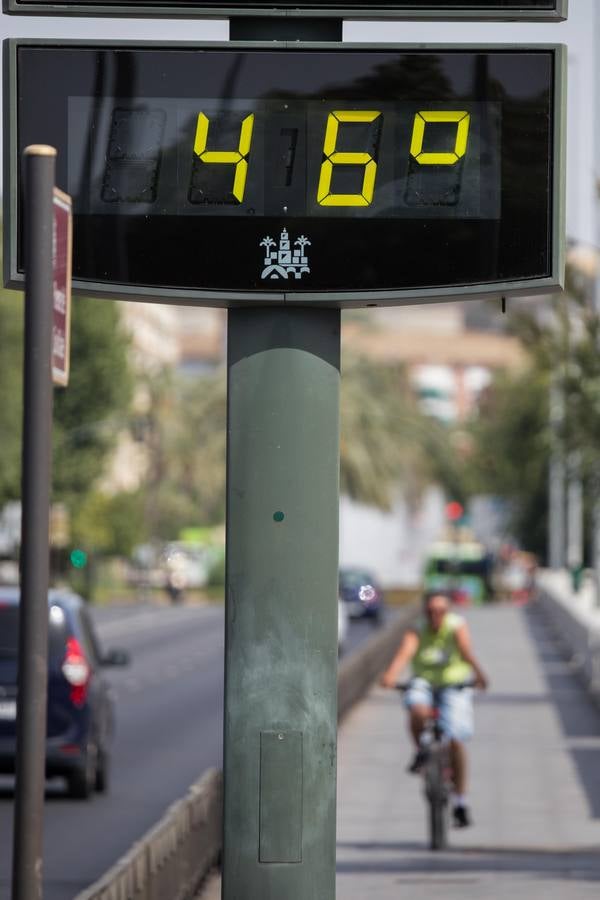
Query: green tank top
438	659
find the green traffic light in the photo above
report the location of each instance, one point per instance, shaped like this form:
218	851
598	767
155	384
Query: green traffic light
78	558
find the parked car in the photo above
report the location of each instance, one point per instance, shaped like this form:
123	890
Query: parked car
80	720
361	593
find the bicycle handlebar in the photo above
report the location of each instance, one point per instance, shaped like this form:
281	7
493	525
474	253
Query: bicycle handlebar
459	686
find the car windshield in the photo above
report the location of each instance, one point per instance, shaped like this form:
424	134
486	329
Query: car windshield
460	566
9	640
355	579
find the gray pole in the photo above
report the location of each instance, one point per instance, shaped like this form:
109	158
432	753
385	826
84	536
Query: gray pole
281	604
574	517
595	537
596	112
36	460
556	481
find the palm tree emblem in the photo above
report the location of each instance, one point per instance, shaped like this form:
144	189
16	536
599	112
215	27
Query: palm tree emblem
280	261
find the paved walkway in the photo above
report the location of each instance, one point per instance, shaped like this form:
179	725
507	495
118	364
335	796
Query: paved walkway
535	785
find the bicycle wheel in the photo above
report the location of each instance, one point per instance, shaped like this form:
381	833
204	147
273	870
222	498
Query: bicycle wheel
435	790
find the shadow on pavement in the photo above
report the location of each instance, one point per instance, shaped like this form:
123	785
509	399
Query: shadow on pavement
55	792
466	863
578	716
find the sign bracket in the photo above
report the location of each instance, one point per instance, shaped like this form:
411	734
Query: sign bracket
285	28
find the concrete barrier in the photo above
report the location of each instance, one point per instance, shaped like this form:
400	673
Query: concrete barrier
575	620
172	859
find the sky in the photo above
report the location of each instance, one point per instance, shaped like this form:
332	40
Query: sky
578	33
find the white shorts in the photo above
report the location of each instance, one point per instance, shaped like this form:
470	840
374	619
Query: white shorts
456	707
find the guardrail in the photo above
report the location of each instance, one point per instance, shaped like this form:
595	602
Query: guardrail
173	858
575	620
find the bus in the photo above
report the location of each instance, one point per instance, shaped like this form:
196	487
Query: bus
461	568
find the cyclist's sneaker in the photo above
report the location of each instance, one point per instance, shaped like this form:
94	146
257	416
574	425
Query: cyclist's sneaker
462	817
419	760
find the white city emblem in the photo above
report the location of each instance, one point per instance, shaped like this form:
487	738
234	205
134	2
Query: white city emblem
283	262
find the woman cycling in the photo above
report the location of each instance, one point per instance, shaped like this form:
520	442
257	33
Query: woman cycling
439	648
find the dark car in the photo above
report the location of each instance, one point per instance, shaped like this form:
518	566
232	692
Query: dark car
80	719
361	593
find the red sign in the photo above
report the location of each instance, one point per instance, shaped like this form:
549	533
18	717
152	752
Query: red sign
61	287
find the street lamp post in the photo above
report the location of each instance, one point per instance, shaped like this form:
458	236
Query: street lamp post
556	480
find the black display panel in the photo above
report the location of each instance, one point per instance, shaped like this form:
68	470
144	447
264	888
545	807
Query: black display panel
315	4
285	158
521	9
318	171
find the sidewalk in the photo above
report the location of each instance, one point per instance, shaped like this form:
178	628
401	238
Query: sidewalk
535	785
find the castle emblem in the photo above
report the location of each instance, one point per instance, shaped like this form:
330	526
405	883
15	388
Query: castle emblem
283	262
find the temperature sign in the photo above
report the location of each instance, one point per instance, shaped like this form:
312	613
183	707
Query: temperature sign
397	9
351	176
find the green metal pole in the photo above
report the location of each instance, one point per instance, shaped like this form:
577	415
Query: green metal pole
281	604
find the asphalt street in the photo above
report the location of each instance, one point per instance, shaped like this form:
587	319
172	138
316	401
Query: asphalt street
169	705
169	722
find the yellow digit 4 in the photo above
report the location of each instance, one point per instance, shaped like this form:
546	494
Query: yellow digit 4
462	120
238	158
341	158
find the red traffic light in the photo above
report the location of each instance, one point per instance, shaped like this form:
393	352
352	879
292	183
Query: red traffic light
454	511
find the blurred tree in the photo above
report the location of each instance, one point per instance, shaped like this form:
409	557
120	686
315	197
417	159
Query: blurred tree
87	414
11	391
183	430
511	445
512	437
386	443
109	524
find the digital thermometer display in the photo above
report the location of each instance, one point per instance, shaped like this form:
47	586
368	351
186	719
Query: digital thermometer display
299	170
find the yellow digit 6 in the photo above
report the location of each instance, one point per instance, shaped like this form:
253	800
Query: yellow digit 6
462	120
340	158
238	157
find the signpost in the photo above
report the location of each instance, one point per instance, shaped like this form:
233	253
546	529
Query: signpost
532	10
287	181
61	286
39	164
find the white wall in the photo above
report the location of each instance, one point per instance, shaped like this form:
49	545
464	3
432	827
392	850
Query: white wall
392	544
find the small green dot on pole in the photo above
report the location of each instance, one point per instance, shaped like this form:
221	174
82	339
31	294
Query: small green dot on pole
278	516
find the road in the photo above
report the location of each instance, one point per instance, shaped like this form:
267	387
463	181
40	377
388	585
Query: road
169	722
169	730
535	784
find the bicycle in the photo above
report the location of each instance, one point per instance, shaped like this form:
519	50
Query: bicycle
437	768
